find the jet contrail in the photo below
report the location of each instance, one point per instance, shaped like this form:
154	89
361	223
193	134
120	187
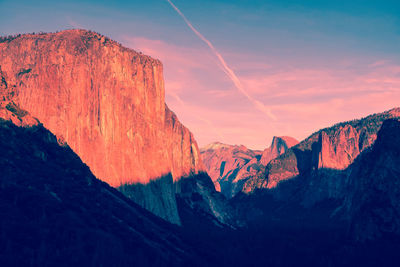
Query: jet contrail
225	68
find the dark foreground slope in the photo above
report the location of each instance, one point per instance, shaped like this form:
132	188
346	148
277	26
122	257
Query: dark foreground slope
358	225
54	212
374	184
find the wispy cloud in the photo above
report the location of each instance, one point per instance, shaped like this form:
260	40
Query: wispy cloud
225	68
306	99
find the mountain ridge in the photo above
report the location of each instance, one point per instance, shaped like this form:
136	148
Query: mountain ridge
56	212
230	166
107	102
332	147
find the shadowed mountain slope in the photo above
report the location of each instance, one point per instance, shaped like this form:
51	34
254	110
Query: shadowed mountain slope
333	148
107	102
326	216
374	183
54	212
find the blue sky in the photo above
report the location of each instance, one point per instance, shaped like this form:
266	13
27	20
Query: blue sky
313	63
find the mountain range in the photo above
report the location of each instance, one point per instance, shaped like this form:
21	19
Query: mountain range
107	103
231	166
56	213
97	170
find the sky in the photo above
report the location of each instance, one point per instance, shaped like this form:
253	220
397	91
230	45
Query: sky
241	72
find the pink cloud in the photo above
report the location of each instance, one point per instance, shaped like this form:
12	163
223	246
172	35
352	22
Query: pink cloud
303	99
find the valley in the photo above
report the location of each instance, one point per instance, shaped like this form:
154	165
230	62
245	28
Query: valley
96	170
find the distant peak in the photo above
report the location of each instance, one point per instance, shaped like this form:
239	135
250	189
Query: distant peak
214	146
289	141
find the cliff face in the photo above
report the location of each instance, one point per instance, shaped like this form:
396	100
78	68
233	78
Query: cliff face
280	144
52	206
333	148
354	213
338	150
230	167
105	101
225	163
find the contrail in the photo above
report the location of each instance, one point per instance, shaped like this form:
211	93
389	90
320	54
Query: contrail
225	68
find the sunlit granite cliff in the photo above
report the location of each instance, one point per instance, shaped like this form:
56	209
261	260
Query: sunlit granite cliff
107	102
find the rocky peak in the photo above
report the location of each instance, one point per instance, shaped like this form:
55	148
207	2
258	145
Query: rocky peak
223	163
231	167
334	148
106	101
228	155
280	144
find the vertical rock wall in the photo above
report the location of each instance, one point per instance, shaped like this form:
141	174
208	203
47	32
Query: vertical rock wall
106	101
